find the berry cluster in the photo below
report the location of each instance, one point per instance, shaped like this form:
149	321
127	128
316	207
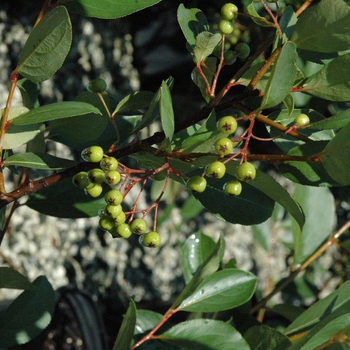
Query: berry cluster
217	169
112	217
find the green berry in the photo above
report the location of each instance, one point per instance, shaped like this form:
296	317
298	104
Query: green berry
96	176
230	57
92	154
108	163
106	223
223	146
120	219
114	197
302	120
114	232
113	210
138	226
94	191
242	50
197	183
150	239
246	171
225	27
124	230
229	11
97	85
216	169
233	188
81	180
227	125
112	177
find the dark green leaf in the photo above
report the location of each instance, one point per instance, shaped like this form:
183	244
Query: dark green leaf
192	22
337	121
223	290
290	312
287	22
324	27
335	156
43	161
206	43
146	320
107	9
263	338
259	20
126	331
133	103
331	82
47	46
28	315
166	112
282	77
30	92
55	111
203	334
64	200
10	278
191	208
194	252
318	205
289	103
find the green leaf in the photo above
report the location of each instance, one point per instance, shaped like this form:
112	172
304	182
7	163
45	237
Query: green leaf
55	111
263	337
192	22
324	27
206	43
126	331
289	103
133	103
47	46
335	156
331	82
209	266
43	161
223	290
28	315
259	20
166	112
107	9
191	208
287	22
146	320
282	77
12	279
64	200
319	208
338	300
194	252
203	334
337	121
29	92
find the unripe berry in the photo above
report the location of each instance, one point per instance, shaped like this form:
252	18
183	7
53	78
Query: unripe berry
108	163
233	188
81	180
246	171
106	223
138	226
230	57
242	50
223	146
150	239
113	210
229	11
112	177
197	183
92	154
216	170
94	191
302	120
227	125
225	27
97	85
114	197
120	219
96	176
124	230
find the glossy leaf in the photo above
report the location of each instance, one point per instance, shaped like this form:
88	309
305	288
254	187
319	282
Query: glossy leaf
223	290
192	22
166	112
146	320
133	103
331	82
209	266
43	161
203	334
12	279
194	252
47	46
264	337
319	208
126	331
206	42
107	9
28	315
64	200
282	77
55	111
324	27
335	156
